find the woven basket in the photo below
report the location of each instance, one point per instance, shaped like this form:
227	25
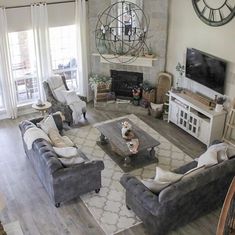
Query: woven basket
149	95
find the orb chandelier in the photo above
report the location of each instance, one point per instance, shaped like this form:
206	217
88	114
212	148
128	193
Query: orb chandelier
121	32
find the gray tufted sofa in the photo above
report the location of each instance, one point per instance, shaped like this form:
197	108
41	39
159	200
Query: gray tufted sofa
61	183
181	202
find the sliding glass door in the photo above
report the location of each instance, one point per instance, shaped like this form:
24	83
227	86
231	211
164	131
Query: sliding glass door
24	66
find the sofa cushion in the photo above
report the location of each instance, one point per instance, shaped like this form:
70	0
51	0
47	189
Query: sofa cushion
47	124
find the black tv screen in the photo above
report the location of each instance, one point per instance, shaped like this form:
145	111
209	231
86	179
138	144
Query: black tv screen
206	69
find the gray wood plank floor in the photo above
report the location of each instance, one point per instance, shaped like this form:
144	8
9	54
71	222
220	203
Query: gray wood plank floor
28	203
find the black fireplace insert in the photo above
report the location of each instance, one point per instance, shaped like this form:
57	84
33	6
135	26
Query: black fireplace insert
123	82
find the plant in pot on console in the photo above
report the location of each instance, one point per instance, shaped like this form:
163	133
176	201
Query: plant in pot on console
220	104
180	68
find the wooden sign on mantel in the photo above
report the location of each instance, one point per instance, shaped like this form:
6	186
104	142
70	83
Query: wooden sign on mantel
201	98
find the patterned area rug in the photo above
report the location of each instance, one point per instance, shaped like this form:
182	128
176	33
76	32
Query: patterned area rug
108	207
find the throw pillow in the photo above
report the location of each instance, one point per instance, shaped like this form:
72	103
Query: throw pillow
222	156
166	176
47	124
154	185
162	179
59	95
58	140
208	158
230	152
66	151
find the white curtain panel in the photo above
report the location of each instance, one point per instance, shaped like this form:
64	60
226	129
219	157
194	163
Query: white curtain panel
82	45
41	43
8	84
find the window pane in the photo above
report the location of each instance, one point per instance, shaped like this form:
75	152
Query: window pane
63	53
24	66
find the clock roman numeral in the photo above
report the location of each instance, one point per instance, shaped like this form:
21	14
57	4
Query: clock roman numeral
221	14
204	9
229	7
211	15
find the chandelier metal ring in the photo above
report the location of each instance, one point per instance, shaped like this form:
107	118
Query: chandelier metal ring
121	32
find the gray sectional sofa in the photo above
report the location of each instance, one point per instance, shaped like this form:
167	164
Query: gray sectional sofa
181	202
61	183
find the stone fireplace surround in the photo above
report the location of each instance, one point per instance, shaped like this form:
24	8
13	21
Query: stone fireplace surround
123	82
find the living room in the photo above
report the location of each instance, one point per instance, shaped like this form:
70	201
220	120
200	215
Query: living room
35	201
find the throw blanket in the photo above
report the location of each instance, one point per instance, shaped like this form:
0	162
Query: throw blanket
76	104
32	134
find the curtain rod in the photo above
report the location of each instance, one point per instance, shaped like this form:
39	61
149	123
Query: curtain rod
49	3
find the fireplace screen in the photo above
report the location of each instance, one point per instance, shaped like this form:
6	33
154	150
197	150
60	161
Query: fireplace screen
123	82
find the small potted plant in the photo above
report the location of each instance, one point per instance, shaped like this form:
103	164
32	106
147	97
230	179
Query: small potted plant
180	69
220	104
149	53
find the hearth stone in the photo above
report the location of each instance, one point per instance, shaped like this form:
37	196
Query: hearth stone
122	108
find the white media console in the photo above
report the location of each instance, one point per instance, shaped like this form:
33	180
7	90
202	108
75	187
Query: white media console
198	119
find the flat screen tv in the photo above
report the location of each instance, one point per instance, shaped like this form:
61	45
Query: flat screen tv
206	69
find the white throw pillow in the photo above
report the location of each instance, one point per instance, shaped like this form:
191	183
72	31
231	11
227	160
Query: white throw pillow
230	151
162	179
208	158
166	176
222	156
66	151
47	123
59	95
154	185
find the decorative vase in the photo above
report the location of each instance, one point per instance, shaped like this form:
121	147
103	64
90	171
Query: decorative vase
219	108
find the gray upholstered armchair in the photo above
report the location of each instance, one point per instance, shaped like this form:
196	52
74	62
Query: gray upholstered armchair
58	105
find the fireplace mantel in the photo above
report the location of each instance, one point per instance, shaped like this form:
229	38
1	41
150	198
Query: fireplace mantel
140	61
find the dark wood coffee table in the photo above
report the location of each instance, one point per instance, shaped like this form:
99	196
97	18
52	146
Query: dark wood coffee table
111	133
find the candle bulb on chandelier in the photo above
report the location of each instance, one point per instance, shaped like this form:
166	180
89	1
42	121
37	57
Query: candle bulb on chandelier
129	34
115	35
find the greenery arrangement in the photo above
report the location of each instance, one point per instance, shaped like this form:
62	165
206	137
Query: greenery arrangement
180	69
96	80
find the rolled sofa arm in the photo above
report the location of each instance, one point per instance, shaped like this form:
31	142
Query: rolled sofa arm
148	199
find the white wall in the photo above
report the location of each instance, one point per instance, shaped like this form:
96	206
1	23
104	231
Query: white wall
187	30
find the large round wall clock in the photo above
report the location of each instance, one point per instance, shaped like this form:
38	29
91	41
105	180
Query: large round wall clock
214	12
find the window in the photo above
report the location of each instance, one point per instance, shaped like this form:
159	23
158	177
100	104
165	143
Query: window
24	66
63	53
1	97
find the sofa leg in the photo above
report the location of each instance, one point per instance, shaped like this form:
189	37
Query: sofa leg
128	208
57	205
97	190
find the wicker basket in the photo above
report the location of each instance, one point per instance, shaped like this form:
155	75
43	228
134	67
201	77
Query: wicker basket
149	95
